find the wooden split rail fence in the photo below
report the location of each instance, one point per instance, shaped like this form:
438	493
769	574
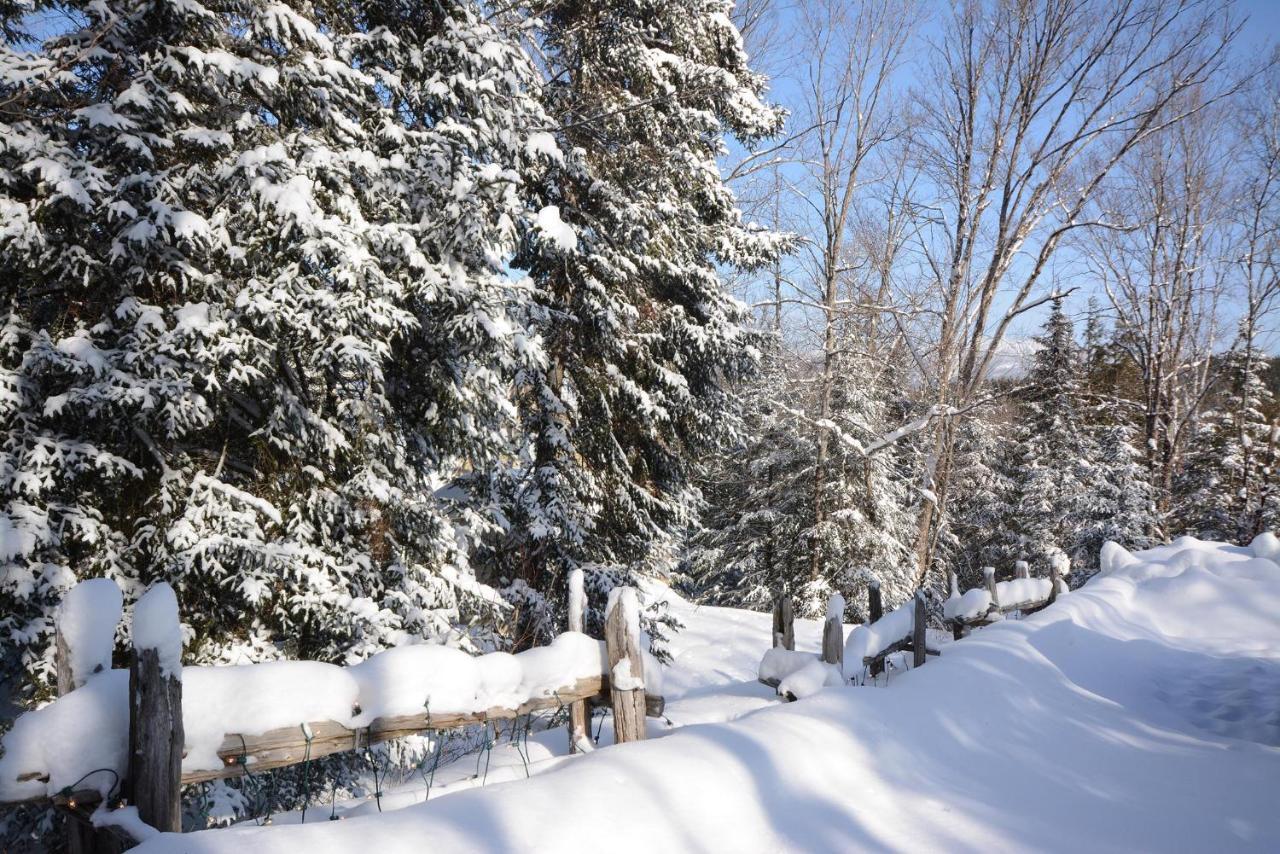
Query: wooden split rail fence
154	777
894	634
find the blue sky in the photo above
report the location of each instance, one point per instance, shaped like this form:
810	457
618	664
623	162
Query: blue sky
1258	37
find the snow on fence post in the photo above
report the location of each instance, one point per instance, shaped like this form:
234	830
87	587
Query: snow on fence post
875	610
989	581
784	622
155	710
579	717
919	651
1021	569
626	664
833	632
85	637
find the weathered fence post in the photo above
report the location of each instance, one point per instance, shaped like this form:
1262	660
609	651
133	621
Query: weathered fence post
918	645
833	632
626	664
957	626
784	622
91	610
989	581
875	610
1055	574
1021	569
579	716
155	710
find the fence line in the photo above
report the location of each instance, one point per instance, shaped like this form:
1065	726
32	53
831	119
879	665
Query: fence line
153	779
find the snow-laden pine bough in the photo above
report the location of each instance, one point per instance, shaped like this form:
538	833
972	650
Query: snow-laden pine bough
116	747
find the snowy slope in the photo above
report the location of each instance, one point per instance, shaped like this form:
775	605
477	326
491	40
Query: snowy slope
1138	713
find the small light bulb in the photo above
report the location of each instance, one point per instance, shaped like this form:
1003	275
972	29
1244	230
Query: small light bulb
72	803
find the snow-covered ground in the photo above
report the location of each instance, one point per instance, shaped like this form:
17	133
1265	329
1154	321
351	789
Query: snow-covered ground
1141	712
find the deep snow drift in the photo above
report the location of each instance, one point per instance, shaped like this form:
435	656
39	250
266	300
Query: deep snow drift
1138	713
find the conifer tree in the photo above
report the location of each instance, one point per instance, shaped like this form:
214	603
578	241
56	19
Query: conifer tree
641	334
1229	482
1051	469
260	326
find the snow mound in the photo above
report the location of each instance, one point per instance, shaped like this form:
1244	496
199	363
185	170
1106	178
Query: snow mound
779	663
811	679
1266	545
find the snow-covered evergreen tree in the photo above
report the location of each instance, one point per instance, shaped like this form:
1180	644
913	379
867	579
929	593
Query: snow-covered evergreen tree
979	523
640	331
1051	470
761	527
1121	503
1229	484
260	327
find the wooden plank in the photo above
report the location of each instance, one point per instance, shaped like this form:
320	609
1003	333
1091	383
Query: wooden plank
287	746
622	640
1021	569
904	645
154	780
1055	574
918	625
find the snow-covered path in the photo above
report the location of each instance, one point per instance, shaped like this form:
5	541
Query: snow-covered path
1139	713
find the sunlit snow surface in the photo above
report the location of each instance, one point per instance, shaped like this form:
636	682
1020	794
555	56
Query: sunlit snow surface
1136	714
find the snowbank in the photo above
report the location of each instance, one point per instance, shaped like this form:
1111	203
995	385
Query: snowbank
1130	716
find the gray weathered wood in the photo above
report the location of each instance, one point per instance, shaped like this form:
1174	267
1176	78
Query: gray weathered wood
875	610
898	646
154	779
918	644
833	641
1021	569
989	581
622	641
784	623
1053	582
579	714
